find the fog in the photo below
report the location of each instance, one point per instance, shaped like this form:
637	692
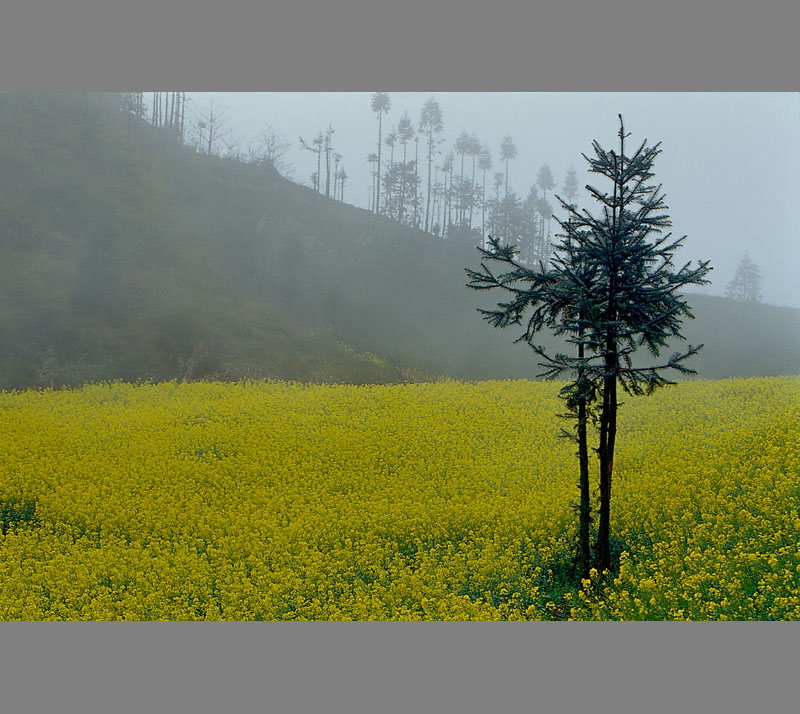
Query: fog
729	162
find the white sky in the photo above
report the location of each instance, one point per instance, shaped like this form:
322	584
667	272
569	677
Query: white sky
730	162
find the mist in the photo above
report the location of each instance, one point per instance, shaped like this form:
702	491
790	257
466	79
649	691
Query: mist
138	247
729	162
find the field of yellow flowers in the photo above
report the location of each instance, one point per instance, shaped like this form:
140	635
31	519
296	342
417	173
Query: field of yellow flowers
447	500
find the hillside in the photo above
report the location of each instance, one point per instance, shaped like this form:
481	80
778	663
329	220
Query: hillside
126	255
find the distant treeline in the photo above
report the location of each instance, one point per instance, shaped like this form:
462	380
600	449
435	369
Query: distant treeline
129	254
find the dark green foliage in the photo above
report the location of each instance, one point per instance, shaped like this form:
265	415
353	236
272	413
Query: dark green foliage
610	289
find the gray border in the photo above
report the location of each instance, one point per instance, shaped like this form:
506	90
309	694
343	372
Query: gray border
433	45
398	667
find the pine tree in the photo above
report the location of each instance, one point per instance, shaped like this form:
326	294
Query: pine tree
373	189
545	181
405	132
610	288
328	150
431	124
317	147
746	283
484	164
390	177
381	104
571	185
507	152
270	147
447	170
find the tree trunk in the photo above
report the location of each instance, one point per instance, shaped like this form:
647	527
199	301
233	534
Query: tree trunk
328	162
416	182
378	182
483	210
472	192
584	512
403	186
607	426
428	197
319	166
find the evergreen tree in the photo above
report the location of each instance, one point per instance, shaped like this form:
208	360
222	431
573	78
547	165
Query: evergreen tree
341	175
571	185
531	248
746	283
405	132
317	146
545	181
328	151
484	164
336	159
431	124
373	189
447	198
462	148
381	104
474	151
611	287
507	152
390	177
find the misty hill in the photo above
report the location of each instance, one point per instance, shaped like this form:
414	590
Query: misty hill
126	255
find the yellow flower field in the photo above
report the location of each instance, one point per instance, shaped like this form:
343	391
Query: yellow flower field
424	501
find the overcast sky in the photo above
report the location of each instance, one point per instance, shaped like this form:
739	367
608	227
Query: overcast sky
730	162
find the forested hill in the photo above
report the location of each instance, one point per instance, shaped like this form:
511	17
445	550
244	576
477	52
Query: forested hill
124	254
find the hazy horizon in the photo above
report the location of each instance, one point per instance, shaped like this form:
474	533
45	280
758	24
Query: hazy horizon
728	164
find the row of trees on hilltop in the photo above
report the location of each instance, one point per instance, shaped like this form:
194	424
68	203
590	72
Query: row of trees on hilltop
455	192
452	193
460	193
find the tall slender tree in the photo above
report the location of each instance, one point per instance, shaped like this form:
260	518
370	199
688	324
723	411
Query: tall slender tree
613	288
507	152
495	213
341	174
390	178
545	181
447	169
571	185
381	104
373	190
328	151
415	183
317	146
336	159
405	133
431	123
473	151
484	164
